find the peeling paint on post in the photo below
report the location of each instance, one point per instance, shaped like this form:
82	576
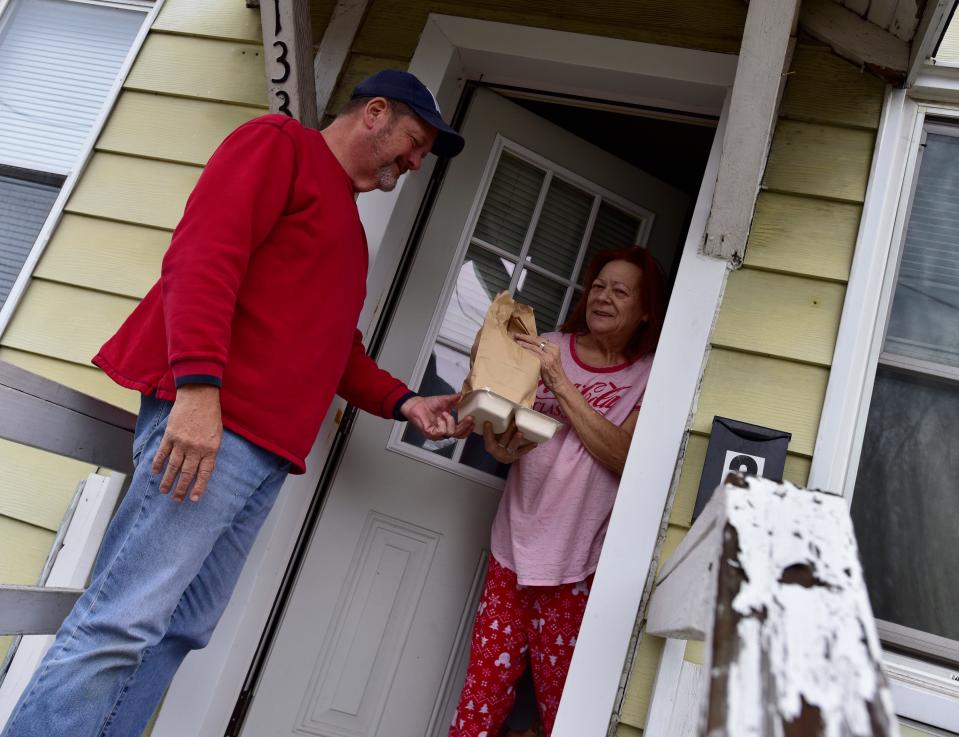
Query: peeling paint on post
794	648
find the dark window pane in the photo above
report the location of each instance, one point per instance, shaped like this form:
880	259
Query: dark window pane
24	207
906	504
613	229
560	228
546	297
509	204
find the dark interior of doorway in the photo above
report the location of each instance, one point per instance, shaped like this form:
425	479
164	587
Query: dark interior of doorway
672	147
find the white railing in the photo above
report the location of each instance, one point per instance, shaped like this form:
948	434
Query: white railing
44	414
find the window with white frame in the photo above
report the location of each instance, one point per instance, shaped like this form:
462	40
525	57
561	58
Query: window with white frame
537	228
905	507
59	59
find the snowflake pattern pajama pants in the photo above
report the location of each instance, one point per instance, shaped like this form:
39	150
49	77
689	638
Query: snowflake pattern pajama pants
515	626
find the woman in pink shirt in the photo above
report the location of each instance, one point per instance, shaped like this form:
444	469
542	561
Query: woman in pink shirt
552	518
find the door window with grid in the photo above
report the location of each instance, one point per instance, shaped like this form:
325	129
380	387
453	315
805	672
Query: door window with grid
536	228
906	501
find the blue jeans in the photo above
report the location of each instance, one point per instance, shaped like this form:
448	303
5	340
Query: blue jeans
163	577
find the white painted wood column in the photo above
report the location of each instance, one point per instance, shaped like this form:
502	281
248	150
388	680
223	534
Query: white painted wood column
70	570
778	594
768	41
288	52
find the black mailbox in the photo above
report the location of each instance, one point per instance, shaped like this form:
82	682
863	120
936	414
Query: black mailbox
744	448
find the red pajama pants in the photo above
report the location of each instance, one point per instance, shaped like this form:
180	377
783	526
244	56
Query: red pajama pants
515	626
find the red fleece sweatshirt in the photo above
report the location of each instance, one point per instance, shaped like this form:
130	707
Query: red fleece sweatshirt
260	293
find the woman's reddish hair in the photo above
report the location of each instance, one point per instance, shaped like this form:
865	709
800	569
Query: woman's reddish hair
652	295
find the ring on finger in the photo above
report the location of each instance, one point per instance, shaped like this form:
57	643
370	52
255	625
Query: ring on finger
542	344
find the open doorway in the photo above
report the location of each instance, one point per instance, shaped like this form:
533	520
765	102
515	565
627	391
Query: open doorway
374	639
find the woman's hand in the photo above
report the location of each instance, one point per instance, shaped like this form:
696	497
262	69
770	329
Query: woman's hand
508	446
551	365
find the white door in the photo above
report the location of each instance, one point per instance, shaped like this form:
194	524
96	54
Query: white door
375	638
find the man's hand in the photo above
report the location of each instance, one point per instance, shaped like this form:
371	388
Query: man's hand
432	416
191	442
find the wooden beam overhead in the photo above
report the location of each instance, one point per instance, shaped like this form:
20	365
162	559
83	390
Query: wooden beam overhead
288	52
768	40
856	39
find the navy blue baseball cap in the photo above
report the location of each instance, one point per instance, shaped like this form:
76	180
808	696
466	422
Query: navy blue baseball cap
404	87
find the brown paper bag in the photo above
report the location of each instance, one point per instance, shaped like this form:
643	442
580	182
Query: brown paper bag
497	362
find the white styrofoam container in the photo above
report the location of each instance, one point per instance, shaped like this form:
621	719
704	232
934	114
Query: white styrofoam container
535	426
486	406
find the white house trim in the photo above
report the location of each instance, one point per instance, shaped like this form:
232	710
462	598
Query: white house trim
633	533
915	689
451	50
850	382
86	152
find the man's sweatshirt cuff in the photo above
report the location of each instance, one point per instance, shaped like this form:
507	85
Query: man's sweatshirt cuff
197	372
198	379
397	415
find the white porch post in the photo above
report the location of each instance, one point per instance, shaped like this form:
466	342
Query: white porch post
288	52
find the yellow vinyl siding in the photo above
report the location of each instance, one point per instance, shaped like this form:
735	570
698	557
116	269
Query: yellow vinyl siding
216	19
823	88
26	548
776	330
200	68
76	321
139	191
36	486
803	236
186	131
108	256
789	300
220	19
772	392
819	161
641	679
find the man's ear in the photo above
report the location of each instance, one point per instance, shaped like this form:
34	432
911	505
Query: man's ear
376	112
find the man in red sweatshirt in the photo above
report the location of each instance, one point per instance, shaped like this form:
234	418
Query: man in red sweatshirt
238	350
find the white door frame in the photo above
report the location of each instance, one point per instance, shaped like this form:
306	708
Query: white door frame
450	51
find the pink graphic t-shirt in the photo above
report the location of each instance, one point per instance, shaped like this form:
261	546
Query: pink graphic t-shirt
552	518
